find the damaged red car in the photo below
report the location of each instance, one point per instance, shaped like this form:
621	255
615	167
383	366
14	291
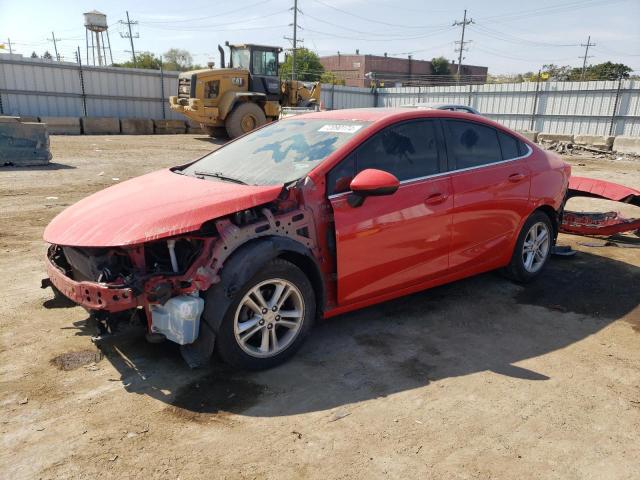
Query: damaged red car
312	216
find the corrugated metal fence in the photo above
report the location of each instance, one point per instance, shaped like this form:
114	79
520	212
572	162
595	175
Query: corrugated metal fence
594	108
62	89
46	88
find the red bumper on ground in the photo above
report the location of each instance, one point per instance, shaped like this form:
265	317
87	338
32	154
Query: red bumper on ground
91	295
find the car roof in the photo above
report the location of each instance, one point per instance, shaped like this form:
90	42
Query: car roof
363	114
379	114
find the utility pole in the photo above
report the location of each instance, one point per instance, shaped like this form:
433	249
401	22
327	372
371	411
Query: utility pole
130	36
295	39
463	24
9	43
586	55
55	45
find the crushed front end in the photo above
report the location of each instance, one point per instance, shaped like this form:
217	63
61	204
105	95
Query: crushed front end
161	278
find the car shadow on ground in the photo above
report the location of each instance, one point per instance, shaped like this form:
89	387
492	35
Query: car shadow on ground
478	324
49	166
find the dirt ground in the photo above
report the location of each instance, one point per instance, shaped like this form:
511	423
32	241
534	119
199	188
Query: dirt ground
474	380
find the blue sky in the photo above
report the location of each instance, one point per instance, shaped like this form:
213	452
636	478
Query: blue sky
508	36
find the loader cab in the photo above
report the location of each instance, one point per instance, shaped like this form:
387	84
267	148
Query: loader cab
262	63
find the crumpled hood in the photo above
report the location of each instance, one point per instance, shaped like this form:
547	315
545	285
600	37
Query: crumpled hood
153	206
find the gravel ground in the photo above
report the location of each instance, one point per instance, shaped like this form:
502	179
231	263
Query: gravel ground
478	379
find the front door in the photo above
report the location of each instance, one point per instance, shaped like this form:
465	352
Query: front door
394	241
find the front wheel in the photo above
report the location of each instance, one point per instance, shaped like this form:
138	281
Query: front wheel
269	319
533	248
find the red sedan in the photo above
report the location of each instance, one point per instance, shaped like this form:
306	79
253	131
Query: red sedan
308	217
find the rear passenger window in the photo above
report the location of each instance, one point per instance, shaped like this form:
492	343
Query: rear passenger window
471	144
509	146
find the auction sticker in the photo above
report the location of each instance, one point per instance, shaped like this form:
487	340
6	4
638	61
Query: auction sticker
337	128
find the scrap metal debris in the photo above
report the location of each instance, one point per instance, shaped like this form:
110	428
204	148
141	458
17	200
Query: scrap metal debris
598	223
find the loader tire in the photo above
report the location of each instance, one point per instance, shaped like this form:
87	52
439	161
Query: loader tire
245	117
216	132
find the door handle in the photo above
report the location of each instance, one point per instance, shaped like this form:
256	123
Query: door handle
435	199
516	177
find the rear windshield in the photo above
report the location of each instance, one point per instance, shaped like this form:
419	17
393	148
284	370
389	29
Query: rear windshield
279	153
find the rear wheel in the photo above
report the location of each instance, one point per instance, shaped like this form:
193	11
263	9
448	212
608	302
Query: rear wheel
270	318
533	248
244	118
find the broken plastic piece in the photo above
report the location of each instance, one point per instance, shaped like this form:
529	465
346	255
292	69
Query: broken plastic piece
608	223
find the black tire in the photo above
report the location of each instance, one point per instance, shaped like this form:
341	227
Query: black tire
516	270
216	132
227	345
245	117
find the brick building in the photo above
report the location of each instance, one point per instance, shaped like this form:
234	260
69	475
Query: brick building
390	71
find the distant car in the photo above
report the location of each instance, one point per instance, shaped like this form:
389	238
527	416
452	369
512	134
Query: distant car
452	107
312	216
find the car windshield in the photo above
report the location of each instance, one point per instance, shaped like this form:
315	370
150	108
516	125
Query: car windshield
278	153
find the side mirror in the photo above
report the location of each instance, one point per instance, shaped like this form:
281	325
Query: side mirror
370	183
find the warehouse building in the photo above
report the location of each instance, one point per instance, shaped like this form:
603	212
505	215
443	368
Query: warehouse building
361	70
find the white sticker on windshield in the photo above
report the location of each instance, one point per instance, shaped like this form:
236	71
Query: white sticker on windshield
336	128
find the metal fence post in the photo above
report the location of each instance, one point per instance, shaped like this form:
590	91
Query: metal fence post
84	95
164	115
470	94
333	89
616	101
535	103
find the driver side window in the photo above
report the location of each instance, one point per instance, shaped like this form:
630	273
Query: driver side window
408	150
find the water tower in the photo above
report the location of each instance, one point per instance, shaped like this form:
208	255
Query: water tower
96	25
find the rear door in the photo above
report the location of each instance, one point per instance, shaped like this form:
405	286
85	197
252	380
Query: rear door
394	241
491	183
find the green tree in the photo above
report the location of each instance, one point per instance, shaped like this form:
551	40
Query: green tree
440	66
332	78
177	59
556	73
308	66
602	71
34	55
143	60
47	55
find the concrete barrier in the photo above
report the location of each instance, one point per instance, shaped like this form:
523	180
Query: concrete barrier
136	126
100	125
194	128
62	125
554	137
9	119
598	141
163	127
627	145
529	135
29	119
24	144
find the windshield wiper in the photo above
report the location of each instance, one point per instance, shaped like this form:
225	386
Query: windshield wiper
220	176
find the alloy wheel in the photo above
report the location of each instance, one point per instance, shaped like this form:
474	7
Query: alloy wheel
269	318
536	247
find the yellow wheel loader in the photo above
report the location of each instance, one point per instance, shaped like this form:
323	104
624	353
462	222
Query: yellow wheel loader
243	95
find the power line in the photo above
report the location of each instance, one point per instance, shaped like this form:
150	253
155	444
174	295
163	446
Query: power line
422	27
195	19
463	24
130	37
55	45
586	55
295	40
